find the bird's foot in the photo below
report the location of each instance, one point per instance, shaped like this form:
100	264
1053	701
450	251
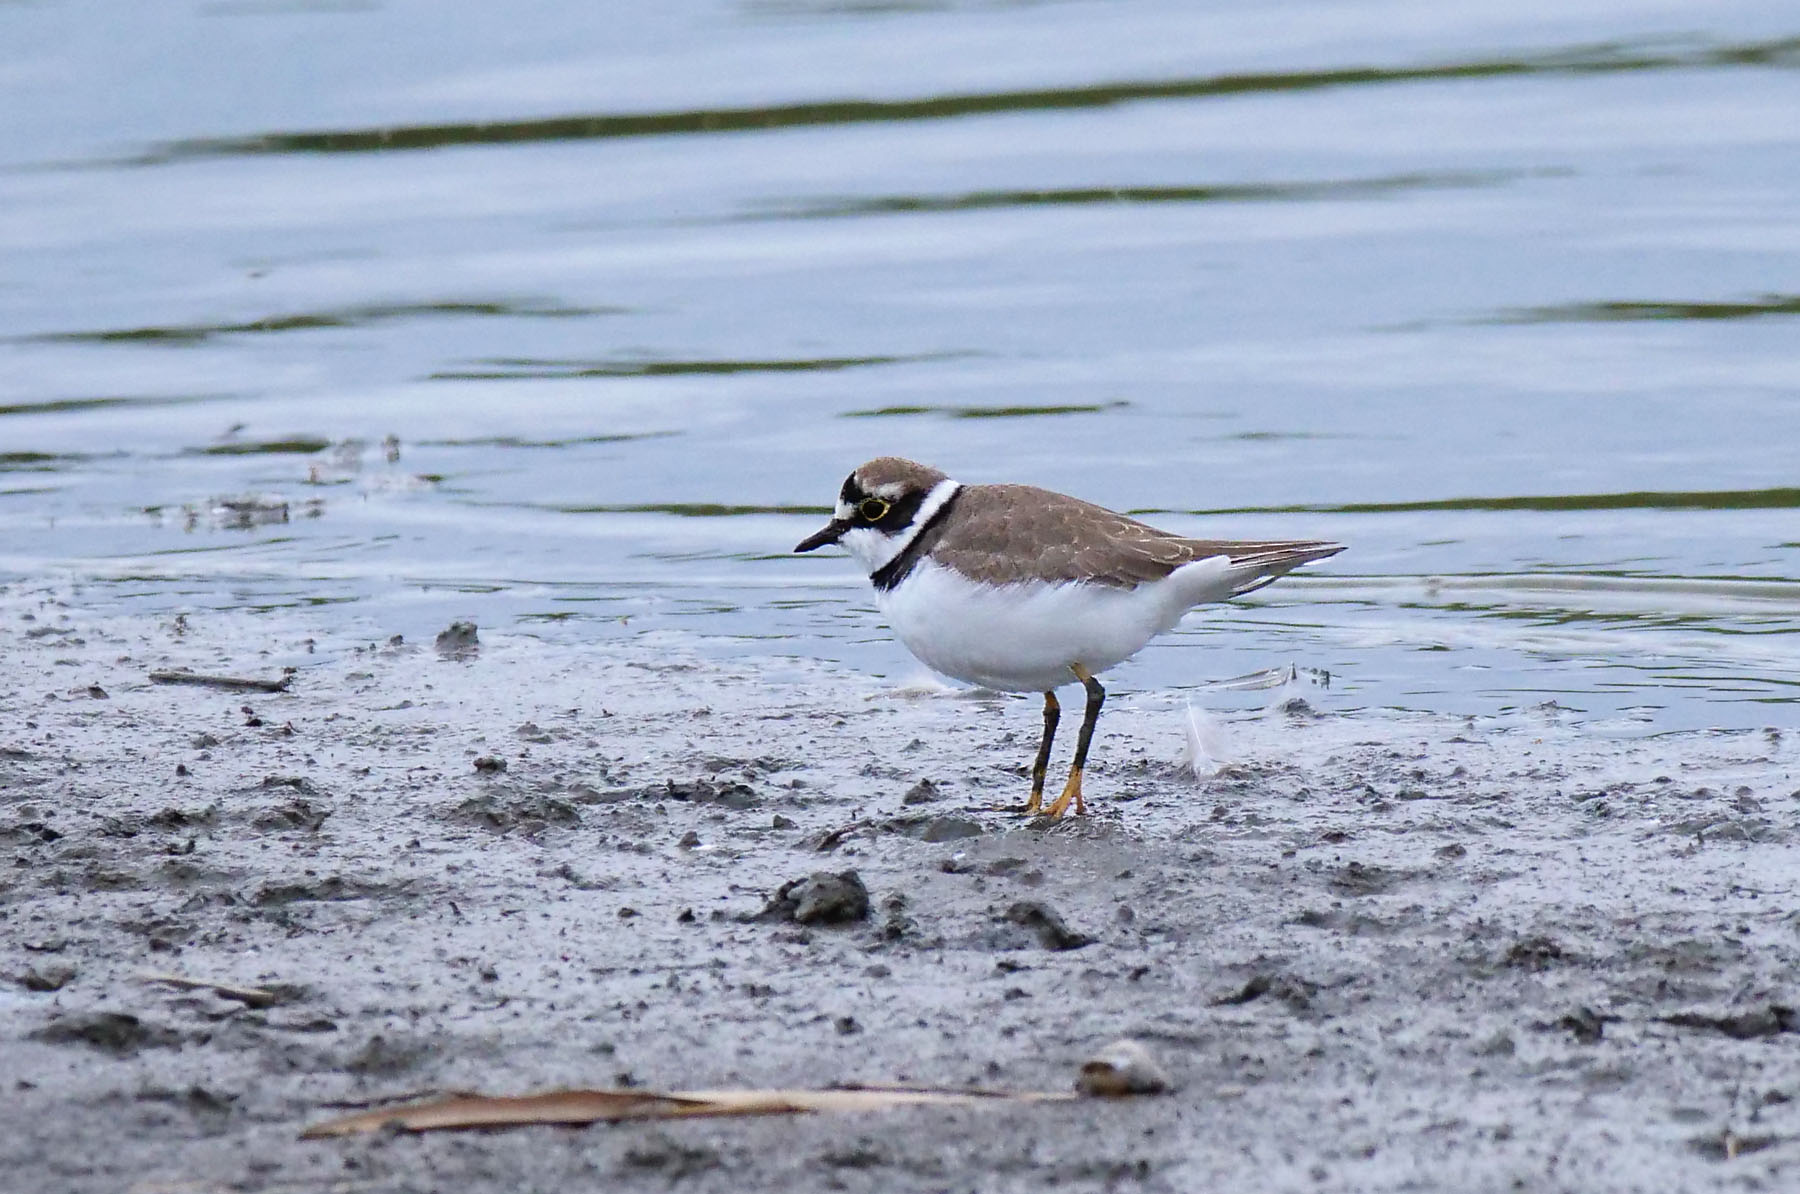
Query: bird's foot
1071	792
1030	808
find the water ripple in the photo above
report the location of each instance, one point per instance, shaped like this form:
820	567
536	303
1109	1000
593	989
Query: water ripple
518	368
1300	191
347	317
1631	312
1609	58
1779	498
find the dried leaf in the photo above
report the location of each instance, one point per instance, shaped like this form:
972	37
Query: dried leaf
593	1106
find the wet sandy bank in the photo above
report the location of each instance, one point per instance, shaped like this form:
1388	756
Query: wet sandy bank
1377	952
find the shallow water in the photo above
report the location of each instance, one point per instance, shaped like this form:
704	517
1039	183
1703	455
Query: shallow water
1502	296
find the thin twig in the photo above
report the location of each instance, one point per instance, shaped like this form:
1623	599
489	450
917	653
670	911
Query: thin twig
251	996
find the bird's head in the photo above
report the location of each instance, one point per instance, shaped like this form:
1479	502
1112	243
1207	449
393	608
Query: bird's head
881	506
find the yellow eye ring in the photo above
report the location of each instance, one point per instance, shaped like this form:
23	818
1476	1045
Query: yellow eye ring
872	509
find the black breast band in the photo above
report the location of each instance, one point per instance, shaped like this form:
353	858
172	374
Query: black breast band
896	569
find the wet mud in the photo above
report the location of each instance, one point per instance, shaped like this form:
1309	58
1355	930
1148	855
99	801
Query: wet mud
1375	952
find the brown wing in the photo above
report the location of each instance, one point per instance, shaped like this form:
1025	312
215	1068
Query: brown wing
1084	542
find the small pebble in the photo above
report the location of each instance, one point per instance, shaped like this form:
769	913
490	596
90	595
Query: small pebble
923	792
820	898
459	640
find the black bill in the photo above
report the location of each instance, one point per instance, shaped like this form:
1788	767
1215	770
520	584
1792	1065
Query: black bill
831	532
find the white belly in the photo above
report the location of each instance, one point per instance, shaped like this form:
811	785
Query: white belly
1023	638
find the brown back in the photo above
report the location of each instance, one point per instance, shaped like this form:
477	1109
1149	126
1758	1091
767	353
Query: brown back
1085	542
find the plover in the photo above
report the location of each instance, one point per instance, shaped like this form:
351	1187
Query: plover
1021	589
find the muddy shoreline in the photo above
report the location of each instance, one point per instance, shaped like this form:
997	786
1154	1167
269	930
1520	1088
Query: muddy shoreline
1377	952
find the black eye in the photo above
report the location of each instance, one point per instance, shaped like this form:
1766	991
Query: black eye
872	509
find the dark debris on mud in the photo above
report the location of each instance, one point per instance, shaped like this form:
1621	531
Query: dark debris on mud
819	898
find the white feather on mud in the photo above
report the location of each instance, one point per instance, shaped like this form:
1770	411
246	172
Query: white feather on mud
1206	752
1262	678
924	685
1290	694
1206	755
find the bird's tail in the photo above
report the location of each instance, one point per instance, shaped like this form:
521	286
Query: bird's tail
1254	565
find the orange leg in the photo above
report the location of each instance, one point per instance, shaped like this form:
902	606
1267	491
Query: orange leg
1096	696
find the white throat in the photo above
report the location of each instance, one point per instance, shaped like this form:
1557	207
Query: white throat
875	551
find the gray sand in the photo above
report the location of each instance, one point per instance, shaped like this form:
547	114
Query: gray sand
1379	952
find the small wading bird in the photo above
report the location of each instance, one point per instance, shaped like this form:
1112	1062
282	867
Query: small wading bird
1023	590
